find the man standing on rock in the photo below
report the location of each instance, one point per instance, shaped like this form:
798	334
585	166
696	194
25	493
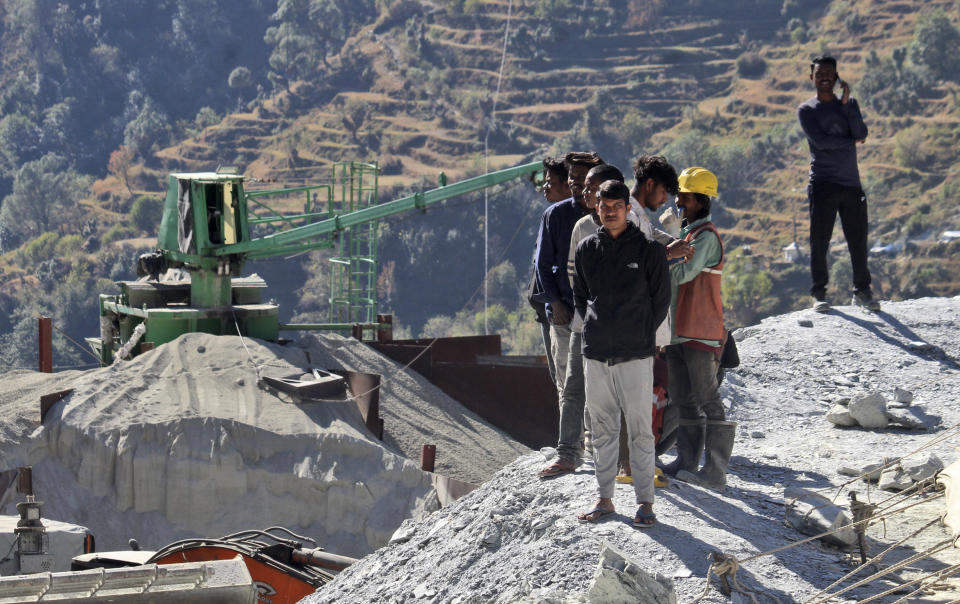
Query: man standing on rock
698	333
622	291
553	245
833	128
555	190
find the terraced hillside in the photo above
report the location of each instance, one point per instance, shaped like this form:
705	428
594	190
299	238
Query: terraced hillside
706	82
719	84
427	88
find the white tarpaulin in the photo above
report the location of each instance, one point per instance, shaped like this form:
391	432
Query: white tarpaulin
65	542
950	479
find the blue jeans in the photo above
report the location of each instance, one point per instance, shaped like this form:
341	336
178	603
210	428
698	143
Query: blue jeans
572	403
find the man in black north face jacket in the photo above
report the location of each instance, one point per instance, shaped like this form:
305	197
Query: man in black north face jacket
621	288
622	291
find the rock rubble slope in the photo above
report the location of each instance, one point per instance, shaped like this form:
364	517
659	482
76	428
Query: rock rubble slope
182	442
415	412
517	538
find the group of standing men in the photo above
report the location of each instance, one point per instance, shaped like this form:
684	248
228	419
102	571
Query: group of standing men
611	302
612	292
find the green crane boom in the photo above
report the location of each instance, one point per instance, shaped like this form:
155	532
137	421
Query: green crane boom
208	228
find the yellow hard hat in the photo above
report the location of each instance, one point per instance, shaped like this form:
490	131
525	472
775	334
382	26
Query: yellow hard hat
698	180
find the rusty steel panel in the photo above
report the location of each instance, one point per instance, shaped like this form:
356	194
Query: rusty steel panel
25	480
365	388
521	401
418	357
428	457
463	349
48	400
385	334
45	337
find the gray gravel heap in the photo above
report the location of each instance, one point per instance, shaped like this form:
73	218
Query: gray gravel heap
517	538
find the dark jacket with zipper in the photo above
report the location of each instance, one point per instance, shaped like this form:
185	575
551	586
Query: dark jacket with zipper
621	288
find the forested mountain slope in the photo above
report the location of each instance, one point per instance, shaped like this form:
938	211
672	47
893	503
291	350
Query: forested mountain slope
99	100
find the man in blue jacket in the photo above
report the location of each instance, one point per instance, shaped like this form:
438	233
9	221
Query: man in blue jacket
553	245
833	127
555	189
621	288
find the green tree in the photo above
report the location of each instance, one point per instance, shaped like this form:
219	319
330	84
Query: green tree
146	212
296	48
19	138
44	198
240	78
912	149
147	129
936	45
39	250
745	288
497	319
621	130
438	327
502	284
206	117
889	87
354	114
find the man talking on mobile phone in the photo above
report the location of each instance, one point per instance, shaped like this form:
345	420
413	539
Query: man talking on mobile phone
833	127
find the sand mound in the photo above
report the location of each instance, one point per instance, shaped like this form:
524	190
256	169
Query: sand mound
181	441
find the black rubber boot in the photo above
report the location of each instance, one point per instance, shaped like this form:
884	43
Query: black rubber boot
690	435
668	431
719	446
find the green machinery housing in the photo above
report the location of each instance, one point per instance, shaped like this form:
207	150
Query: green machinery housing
212	224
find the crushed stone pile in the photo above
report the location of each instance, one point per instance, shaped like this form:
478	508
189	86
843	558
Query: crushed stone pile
181	442
517	539
415	412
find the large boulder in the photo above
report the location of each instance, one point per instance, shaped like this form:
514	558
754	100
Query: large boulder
618	579
813	514
840	416
910	418
921	469
870	472
895	479
902	397
870	411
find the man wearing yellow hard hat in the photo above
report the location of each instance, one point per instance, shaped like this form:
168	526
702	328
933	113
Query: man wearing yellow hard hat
696	310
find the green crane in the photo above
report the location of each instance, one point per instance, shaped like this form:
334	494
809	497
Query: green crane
211	226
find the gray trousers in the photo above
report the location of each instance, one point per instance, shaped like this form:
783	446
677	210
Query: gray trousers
548	351
560	348
692	381
611	389
572	403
